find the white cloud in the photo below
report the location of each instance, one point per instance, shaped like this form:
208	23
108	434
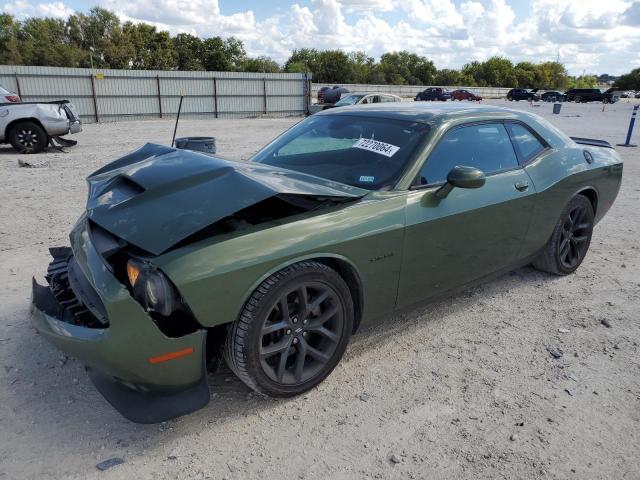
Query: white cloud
367	5
591	35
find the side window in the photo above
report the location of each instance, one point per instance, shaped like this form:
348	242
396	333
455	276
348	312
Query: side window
526	143
484	146
387	98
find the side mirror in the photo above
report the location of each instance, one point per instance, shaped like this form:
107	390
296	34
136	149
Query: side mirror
461	177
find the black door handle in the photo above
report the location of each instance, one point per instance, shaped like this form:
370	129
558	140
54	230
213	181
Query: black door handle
522	186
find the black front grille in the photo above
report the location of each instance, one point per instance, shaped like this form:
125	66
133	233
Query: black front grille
73	291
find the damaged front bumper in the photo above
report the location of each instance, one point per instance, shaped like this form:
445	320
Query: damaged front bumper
147	376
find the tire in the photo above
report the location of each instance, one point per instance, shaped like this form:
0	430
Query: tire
578	100
264	349
570	240
27	137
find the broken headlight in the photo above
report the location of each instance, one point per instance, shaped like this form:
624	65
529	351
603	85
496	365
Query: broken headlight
152	289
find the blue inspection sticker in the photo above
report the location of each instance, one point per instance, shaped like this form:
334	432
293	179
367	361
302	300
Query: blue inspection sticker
367	179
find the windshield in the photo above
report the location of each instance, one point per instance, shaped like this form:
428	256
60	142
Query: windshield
364	152
349	100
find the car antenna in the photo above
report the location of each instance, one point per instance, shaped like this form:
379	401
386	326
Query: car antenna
175	129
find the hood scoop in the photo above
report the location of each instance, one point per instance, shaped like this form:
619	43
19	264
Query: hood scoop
158	196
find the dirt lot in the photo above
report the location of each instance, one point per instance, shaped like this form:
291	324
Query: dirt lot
464	388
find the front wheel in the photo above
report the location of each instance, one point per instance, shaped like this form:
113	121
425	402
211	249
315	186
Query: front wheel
570	240
292	331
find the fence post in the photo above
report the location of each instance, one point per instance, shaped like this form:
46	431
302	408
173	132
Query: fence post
307	93
95	100
159	95
627	143
215	97
18	85
264	94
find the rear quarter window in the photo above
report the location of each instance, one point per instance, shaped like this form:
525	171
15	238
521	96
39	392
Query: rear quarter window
525	142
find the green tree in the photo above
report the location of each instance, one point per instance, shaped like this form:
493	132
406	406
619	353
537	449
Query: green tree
101	38
525	73
260	64
296	67
188	50
446	77
334	66
583	81
405	67
45	42
10	31
361	67
222	55
303	60
629	81
152	50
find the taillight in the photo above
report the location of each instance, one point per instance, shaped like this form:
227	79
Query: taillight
13	98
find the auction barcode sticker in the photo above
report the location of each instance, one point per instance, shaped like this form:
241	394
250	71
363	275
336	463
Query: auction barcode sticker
375	146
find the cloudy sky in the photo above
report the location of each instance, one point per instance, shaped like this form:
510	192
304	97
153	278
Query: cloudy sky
593	36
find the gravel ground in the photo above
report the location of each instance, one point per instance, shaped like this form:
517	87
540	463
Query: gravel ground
463	388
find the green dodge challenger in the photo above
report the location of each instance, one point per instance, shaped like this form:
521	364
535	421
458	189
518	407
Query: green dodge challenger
352	214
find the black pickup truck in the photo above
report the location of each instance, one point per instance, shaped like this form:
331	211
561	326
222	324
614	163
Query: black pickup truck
580	95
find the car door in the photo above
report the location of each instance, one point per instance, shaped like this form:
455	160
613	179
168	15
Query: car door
472	232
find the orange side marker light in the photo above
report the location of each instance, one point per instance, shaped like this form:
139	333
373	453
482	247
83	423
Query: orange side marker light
172	355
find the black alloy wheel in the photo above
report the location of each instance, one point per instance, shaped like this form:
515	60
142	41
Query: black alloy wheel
293	330
301	333
570	240
573	241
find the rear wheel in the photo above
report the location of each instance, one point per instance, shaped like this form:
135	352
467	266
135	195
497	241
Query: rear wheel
293	330
27	137
570	240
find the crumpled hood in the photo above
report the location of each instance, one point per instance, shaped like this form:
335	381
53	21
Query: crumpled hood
157	196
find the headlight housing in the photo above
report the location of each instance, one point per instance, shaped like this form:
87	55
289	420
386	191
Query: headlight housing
152	289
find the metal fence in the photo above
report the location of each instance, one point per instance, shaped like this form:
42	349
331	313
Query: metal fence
113	95
410	91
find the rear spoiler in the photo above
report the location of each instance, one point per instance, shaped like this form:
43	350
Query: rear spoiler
54	102
592	141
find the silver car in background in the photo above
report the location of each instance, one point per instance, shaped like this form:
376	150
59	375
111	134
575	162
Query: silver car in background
30	126
366	98
8	97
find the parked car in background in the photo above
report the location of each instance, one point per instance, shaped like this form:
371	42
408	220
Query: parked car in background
366	98
465	95
8	97
580	95
553	96
627	94
29	126
433	93
638	95
327	98
518	94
